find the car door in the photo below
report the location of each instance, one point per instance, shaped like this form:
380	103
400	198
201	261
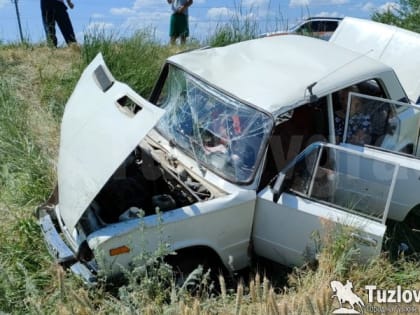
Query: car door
394	125
325	186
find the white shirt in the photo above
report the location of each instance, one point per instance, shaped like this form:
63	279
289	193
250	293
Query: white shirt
176	4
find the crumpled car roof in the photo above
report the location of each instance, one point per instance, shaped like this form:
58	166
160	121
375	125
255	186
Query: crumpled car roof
273	73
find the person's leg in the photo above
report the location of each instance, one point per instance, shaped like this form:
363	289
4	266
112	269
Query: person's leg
185	31
173	29
64	23
48	20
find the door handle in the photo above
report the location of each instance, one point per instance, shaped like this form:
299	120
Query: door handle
366	240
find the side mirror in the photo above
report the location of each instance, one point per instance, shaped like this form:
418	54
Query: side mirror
278	186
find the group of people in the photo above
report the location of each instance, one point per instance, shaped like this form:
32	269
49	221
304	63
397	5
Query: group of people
55	12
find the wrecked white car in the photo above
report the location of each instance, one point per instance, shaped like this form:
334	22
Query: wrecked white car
216	150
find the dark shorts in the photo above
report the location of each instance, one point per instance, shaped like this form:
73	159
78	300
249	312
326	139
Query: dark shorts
179	25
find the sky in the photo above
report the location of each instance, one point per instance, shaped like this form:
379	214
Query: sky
121	17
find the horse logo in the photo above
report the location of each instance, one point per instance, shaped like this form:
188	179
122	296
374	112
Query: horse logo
345	294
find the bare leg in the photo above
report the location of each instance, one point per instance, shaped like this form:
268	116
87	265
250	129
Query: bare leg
173	40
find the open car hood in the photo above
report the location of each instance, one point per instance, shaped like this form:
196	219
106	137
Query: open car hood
395	47
103	122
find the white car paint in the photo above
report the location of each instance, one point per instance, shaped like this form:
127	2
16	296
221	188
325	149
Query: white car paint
283	229
395	47
283	232
94	125
223	224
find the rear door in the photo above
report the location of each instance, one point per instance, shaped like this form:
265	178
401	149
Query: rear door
394	125
325	189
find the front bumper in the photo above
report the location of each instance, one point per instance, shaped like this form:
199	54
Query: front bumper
61	252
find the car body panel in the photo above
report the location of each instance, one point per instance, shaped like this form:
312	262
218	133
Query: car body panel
284	232
325	187
396	47
96	136
406	190
213	224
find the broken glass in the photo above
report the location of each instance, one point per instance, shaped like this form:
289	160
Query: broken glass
218	131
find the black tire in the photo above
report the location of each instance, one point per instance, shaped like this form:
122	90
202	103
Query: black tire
193	266
403	238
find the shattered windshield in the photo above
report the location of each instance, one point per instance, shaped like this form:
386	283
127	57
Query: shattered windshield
219	132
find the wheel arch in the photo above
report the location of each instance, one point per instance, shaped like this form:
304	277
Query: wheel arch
413	213
201	254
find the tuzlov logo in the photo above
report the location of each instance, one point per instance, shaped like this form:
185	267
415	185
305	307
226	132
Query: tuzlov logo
379	300
344	294
392	296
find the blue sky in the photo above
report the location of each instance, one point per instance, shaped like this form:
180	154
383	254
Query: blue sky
122	16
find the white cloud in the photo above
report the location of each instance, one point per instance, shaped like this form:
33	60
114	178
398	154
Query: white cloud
97	16
153	3
156	25
222	12
255	3
99	26
4	3
369	7
389	6
299	3
122	11
307	3
144	19
335	2
329	14
142	4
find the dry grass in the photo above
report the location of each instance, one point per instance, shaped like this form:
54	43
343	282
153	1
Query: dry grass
29	72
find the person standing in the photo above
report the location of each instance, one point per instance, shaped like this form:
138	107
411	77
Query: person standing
178	26
55	11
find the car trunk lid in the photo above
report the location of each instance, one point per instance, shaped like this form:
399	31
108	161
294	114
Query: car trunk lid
395	47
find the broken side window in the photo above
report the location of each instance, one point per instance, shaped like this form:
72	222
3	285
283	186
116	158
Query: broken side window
345	180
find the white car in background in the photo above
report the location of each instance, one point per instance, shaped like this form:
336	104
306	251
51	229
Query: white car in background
217	149
319	27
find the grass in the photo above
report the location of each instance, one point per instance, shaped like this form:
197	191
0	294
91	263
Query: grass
35	84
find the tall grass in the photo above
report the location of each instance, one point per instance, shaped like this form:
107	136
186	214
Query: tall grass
242	26
24	180
136	61
23	176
